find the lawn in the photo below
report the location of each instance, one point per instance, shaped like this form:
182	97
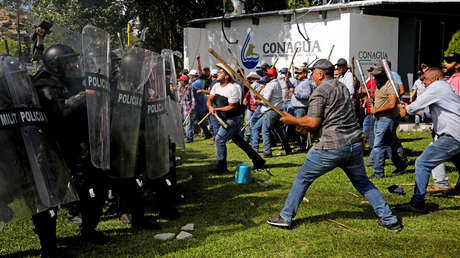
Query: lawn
230	219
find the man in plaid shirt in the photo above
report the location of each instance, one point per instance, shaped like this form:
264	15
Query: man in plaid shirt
330	110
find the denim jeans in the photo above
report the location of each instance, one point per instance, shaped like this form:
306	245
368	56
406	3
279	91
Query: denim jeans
256	126
224	134
368	129
350	159
440	177
247	119
214	125
385	137
271	121
301	112
189	126
204	125
445	148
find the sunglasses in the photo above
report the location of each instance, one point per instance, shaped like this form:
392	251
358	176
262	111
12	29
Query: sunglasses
298	72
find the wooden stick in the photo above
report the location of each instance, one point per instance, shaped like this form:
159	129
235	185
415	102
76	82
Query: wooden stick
330	53
244	82
244	127
290	65
185	120
204	118
237	64
220	121
276	61
316	58
340	224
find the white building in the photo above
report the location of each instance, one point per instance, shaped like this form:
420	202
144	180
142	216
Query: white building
406	32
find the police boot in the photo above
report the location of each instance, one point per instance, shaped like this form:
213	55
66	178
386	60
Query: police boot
45	228
166	200
91	211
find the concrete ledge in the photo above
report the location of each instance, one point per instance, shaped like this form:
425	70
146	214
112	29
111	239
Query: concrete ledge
413	127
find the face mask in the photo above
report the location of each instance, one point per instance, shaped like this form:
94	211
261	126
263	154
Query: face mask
380	80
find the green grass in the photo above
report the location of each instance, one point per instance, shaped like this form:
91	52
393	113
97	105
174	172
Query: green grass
230	218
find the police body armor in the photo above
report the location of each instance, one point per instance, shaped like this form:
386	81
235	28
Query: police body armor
135	69
96	67
155	129
33	175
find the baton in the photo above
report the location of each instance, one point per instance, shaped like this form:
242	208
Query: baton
274	63
390	77
316	58
220	120
244	81
360	70
290	65
185	120
204	118
330	53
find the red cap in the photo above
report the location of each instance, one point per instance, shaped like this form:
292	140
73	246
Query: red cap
272	72
183	78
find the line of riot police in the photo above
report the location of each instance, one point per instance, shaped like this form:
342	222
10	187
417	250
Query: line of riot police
90	122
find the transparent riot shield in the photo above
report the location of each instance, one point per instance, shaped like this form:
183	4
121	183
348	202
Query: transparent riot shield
33	175
96	68
174	109
155	129
135	69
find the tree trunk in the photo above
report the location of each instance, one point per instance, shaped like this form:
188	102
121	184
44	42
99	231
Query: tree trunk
18	13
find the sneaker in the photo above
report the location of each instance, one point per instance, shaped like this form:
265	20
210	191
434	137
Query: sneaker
408	207
400	171
397	226
188	141
436	189
219	171
278	221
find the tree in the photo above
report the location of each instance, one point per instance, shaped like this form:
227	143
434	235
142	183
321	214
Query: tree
454	44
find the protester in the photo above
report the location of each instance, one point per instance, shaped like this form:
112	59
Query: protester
417	91
299	100
200	110
224	101
387	118
250	102
444	105
452	70
340	145
270	119
345	75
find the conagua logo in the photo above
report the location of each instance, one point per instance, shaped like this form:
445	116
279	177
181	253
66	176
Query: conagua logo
249	58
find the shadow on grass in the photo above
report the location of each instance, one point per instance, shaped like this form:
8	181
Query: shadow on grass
410	139
28	253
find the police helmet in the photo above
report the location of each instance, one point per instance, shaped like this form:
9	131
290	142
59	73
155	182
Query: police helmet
62	61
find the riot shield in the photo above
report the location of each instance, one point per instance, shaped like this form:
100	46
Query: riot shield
155	133
174	110
96	67
33	176
135	69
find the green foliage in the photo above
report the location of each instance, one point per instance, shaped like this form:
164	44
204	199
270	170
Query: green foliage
454	44
13	48
298	3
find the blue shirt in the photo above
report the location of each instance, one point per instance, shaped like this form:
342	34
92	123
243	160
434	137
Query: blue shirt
301	94
397	78
444	105
199	97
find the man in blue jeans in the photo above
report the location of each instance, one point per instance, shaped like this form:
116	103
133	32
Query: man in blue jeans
387	118
340	145
444	106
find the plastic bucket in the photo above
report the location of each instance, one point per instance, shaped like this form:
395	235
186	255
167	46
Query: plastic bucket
243	174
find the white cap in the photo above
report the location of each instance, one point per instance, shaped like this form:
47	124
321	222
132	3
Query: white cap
214	72
193	72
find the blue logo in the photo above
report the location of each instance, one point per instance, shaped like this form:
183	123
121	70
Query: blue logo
249	58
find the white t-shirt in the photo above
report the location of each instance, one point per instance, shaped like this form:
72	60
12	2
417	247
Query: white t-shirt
231	91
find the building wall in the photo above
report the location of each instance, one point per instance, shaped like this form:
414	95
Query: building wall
349	31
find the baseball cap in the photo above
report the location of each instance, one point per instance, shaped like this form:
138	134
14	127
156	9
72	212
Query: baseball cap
284	70
193	72
253	75
300	69
378	69
323	64
341	62
183	78
214	72
263	79
272	72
